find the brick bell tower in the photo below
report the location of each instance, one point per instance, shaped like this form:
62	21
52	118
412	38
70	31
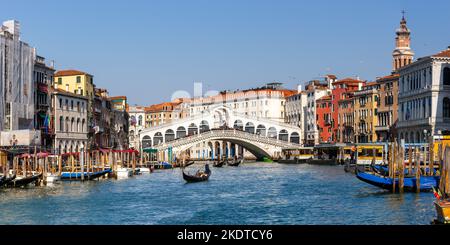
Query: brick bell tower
402	55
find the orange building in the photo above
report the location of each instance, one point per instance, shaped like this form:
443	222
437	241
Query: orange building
323	119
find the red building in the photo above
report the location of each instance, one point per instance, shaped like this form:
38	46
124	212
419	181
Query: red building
323	119
339	88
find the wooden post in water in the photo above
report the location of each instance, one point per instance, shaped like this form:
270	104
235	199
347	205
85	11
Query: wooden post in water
410	152
134	161
401	177
431	152
418	173
394	167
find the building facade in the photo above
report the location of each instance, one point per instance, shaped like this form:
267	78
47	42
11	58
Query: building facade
424	98
323	119
365	103
43	79
70	121
295	112
387	112
137	124
346	118
339	88
17	103
119	122
314	91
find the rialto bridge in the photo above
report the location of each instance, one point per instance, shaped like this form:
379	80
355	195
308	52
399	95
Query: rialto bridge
222	132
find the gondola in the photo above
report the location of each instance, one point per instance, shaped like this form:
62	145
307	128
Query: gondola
218	164
189	163
23	181
236	162
7	180
426	182
197	177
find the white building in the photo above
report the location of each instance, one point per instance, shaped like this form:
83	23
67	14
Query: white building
70	121
137	124
315	90
16	79
424	98
295	111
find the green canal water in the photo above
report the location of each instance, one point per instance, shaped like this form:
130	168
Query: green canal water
253	193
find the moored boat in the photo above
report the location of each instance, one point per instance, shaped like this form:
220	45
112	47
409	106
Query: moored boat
236	162
218	164
23	181
427	183
123	173
198	177
76	176
442	211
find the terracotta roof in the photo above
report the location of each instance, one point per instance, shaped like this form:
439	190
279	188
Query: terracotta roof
445	53
66	93
326	97
348	80
118	98
370	84
70	73
388	77
160	107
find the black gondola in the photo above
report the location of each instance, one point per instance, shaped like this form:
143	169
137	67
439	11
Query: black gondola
21	182
218	164
199	177
189	163
7	180
236	162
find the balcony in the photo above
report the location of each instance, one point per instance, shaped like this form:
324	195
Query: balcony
382	128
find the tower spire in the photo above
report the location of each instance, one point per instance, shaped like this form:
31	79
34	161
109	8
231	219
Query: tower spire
402	55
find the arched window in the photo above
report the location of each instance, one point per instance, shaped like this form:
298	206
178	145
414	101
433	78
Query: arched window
78	125
204	126
140	120
238	125
82	126
272	133
284	135
261	130
446	76
295	138
192	129
446	107
72	124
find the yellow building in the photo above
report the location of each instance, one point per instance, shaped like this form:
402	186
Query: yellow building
365	104
76	82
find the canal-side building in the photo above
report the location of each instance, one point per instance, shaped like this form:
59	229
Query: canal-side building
69	117
387	111
43	80
315	90
295	112
339	88
346	118
365	104
137	124
17	87
101	130
323	119
163	113
119	123
267	102
424	98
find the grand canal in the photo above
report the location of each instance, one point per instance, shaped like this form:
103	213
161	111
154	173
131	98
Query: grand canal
254	193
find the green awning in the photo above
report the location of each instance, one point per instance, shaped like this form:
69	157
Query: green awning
150	150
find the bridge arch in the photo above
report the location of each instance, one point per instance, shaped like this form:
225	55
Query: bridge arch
239	125
272	133
283	135
192	129
181	132
146	141
169	135
261	130
158	138
204	126
295	138
250	128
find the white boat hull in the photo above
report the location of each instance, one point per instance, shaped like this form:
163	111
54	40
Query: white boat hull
123	173
52	178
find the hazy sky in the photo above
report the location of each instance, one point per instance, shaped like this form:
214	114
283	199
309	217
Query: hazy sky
146	50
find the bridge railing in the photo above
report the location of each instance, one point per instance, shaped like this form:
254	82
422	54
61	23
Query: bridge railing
226	133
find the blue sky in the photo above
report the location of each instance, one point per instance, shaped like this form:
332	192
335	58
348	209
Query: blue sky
146	50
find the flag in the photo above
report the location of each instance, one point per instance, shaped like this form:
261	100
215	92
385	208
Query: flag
437	193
